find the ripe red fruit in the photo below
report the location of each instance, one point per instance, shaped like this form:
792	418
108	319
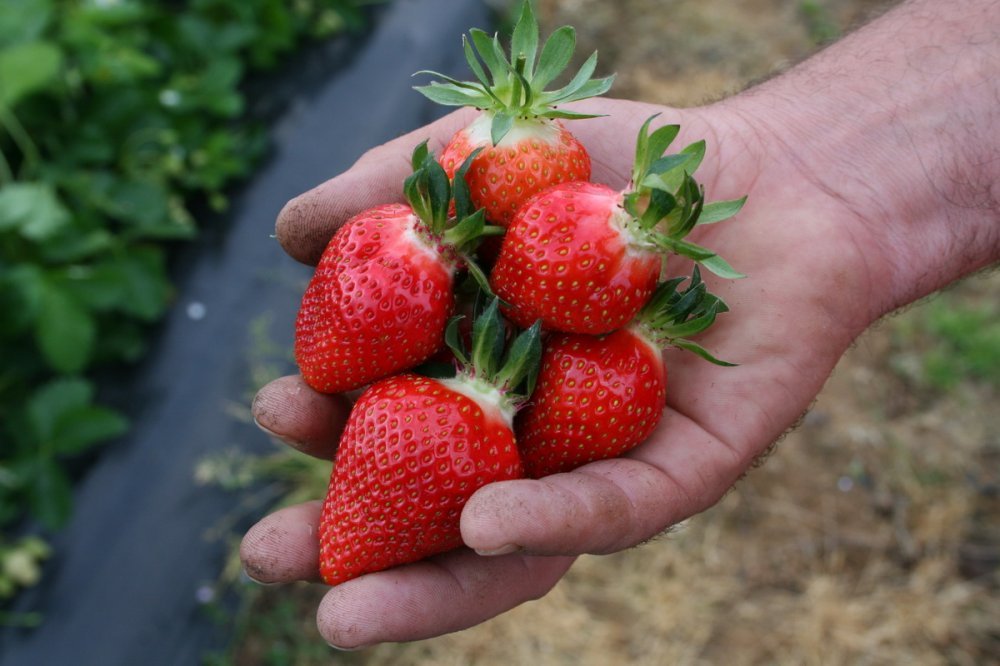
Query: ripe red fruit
415	449
584	258
382	293
532	156
569	259
526	147
598	397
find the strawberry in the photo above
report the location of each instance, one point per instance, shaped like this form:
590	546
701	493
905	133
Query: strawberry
382	292
598	397
584	258
415	449
526	146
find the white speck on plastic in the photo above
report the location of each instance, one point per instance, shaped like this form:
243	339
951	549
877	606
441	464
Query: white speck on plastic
845	484
205	594
196	311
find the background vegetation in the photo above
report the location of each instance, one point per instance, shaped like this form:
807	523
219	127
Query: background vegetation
121	123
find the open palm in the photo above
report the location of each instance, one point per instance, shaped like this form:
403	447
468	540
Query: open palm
805	299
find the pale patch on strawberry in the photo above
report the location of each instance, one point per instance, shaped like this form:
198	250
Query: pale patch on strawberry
543	130
489	398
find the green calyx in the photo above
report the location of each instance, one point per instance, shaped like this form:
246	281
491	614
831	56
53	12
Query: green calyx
514	87
430	194
511	367
666	202
672	316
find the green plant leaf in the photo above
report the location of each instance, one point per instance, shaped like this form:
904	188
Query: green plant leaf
502	122
717	211
448	94
50	493
86	426
721	267
27	68
555	57
23	20
64	331
524	41
48	404
695	348
33	209
492	55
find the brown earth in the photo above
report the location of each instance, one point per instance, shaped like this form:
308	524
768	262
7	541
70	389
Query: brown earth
872	533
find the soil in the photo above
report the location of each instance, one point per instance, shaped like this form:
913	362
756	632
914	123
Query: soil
872	533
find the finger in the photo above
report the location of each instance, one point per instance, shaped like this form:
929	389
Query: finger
609	505
284	547
307	222
303	418
433	597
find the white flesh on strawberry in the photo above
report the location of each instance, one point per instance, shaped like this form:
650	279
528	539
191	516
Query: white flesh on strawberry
489	398
524	129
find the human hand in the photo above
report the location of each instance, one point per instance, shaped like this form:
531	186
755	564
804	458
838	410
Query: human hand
870	171
522	535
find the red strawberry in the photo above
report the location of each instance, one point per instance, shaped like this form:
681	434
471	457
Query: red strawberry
383	290
415	449
532	156
585	258
526	147
598	397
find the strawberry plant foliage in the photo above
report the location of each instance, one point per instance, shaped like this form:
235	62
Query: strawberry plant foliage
114	119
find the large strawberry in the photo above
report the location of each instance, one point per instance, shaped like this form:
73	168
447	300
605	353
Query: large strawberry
527	148
415	449
584	258
598	397
382	293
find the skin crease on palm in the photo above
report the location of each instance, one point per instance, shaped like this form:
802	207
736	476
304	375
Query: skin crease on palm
858	204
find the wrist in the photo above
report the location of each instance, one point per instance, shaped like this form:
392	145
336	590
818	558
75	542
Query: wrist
896	124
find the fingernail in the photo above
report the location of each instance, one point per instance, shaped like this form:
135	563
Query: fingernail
502	550
347	649
281	438
254	580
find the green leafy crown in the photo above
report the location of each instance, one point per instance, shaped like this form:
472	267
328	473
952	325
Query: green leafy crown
509	365
514	87
666	202
431	193
672	316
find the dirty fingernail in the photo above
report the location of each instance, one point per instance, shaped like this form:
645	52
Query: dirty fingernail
502	550
281	438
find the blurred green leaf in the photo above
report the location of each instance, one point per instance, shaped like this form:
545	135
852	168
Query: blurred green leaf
53	401
135	284
50	493
116	119
64	331
33	209
23	20
26	68
85	426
